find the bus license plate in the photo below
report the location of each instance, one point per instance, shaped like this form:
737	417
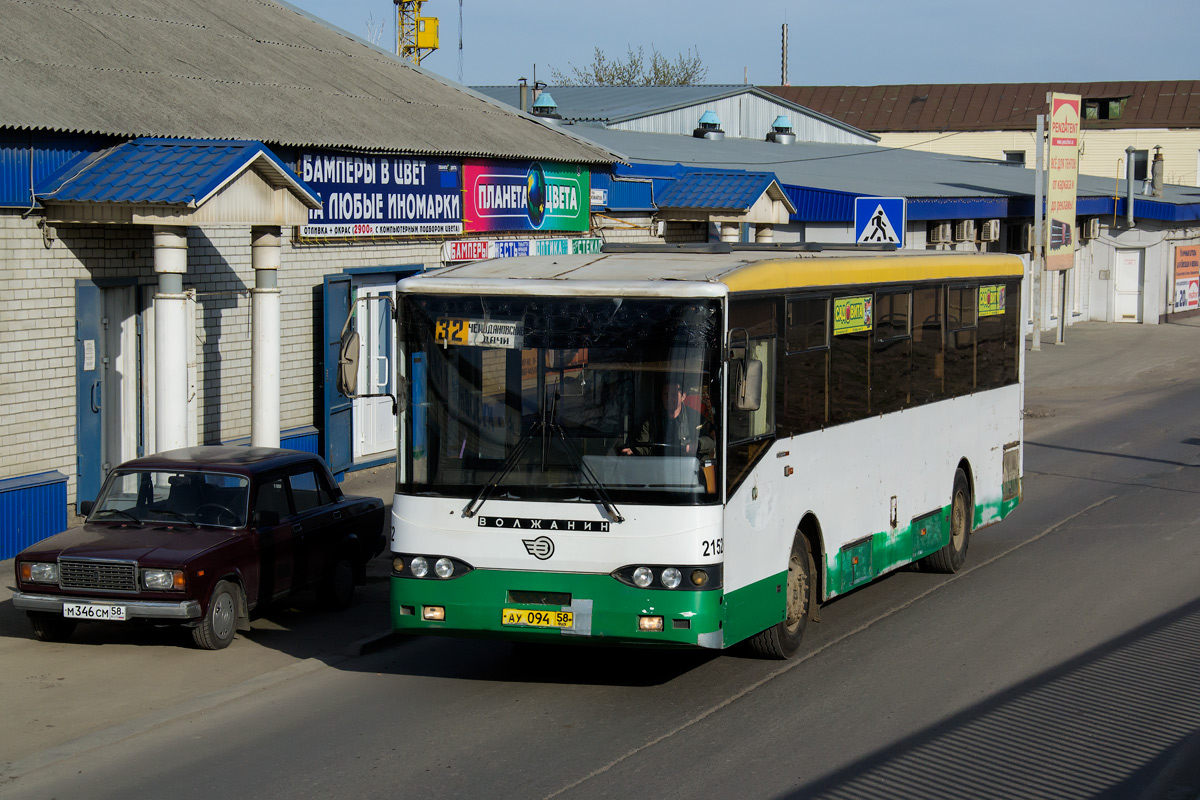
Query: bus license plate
94	611
537	619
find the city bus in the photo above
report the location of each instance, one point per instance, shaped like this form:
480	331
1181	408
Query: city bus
652	446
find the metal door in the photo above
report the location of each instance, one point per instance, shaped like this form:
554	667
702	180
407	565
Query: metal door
374	422
339	409
89	391
1127	305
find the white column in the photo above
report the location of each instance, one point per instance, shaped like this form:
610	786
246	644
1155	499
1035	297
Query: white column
764	233
730	232
170	338
265	327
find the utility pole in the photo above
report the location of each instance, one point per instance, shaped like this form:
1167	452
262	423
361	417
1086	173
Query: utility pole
1037	266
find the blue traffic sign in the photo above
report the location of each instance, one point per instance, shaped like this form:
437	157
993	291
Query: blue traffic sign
880	220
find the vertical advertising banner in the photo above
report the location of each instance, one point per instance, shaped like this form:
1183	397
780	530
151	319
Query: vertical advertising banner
1063	176
525	196
376	195
1187	278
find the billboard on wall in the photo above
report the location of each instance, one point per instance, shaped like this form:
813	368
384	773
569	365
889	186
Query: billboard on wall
1063	176
367	196
1187	278
525	196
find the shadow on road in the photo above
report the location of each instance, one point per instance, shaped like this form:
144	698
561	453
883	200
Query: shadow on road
1120	721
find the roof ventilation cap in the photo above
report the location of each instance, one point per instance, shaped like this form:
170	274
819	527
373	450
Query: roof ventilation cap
545	107
710	127
781	131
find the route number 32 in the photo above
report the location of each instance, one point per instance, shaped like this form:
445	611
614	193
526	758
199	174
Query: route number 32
713	547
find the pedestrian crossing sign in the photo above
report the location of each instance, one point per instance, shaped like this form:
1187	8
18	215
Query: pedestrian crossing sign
879	220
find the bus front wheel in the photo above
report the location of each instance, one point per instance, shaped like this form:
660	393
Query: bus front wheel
962	512
782	639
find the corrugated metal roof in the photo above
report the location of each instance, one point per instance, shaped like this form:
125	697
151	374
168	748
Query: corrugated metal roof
232	69
821	180
995	106
167	172
717	190
614	104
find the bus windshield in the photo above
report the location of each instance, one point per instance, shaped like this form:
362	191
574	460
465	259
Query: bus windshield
562	398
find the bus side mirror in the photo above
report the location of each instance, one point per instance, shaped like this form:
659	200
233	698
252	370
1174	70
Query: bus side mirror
347	377
749	384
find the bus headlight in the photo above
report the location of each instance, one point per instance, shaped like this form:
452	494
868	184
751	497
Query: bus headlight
419	567
671	578
643	577
444	568
699	577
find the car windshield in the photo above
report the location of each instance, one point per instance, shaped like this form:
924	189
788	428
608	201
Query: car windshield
173	496
563	398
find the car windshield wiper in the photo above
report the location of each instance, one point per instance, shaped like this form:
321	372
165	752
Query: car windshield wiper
121	512
486	490
177	515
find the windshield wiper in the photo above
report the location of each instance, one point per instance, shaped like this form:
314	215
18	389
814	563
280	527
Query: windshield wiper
486	490
586	471
178	515
122	512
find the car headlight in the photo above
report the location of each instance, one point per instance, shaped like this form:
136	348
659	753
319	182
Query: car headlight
162	580
39	572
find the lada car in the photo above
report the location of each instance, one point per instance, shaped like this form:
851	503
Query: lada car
201	537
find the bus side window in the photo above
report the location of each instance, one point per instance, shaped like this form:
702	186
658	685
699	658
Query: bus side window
850	368
891	364
928	366
962	304
804	368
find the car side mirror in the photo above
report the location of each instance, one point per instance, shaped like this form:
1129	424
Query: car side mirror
347	377
265	519
85	507
748	390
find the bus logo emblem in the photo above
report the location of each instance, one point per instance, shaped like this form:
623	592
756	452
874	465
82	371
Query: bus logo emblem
540	548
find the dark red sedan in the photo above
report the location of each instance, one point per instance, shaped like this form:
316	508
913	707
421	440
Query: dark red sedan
201	537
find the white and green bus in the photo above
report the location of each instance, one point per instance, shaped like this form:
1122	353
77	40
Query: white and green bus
653	447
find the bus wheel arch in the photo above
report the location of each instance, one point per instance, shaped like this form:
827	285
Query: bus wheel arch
960	519
810	529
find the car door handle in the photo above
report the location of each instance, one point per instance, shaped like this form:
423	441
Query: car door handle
337	515
297	528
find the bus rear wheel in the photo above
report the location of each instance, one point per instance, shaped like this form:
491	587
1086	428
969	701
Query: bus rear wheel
783	639
962	511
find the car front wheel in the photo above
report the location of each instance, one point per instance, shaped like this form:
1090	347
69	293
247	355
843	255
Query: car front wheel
216	630
50	627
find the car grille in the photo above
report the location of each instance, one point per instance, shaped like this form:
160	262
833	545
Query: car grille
108	576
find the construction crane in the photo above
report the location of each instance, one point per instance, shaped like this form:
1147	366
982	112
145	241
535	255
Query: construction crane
416	36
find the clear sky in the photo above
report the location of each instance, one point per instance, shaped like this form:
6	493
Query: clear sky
853	42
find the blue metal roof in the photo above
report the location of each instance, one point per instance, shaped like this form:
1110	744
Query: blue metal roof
155	171
712	189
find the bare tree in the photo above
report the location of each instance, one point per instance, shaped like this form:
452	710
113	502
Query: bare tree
634	70
375	30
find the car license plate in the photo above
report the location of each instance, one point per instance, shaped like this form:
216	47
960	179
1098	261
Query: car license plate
537	619
96	611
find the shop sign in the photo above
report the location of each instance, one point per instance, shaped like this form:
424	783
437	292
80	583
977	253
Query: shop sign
1187	278
1063	175
480	249
366	196
525	196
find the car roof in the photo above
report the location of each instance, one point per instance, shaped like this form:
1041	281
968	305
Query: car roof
222	458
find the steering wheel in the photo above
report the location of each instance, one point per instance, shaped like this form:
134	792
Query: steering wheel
214	513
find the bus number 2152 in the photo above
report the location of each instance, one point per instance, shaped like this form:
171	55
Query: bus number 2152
713	547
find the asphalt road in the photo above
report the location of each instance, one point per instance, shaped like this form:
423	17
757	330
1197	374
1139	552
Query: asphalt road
1063	662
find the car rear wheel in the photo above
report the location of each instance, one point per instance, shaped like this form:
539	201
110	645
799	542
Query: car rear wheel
219	625
51	627
335	592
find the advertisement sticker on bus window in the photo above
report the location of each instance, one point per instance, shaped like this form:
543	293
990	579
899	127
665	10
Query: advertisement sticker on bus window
479	333
991	300
851	314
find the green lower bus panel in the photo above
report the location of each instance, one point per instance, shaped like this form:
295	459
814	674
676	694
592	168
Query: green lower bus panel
856	564
929	534
565	607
